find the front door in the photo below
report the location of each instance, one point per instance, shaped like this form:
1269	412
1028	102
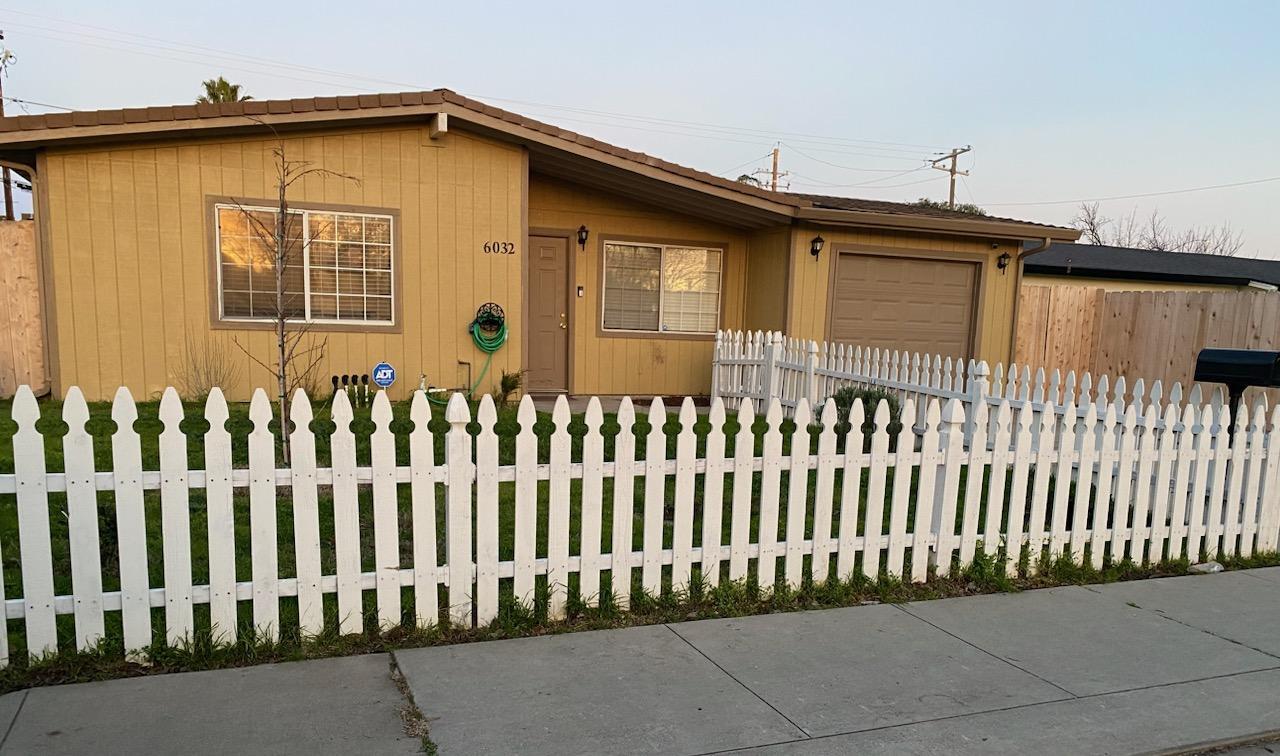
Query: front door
547	360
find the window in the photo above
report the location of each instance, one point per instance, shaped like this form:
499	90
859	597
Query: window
339	265
656	287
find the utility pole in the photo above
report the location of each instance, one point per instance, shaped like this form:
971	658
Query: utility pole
773	173
957	152
7	58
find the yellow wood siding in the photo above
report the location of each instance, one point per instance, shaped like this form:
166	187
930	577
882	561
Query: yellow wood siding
608	364
131	263
768	261
1112	284
810	280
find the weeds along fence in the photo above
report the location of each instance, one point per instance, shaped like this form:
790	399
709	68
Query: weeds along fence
418	526
762	366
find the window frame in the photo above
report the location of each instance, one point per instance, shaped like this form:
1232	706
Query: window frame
220	318
662	286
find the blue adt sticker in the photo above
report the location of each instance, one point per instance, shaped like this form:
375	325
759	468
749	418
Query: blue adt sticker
384	375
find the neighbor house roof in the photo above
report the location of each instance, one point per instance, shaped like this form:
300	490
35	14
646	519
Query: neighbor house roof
1125	263
23	133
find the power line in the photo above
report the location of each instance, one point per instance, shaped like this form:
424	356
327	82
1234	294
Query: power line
182	48
802	153
1136	196
20	101
822	184
744	165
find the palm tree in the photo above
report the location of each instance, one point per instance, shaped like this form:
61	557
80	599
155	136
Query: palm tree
221	90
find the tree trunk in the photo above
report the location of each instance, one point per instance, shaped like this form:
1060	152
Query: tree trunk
281	318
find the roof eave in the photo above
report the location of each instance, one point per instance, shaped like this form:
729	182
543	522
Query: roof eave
958	226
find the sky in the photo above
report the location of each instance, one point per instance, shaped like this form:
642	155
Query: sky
1060	101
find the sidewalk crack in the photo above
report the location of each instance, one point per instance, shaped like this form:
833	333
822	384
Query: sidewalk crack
16	714
903	608
745	687
1177	621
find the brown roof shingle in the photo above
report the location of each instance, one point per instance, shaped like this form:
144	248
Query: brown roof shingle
67	123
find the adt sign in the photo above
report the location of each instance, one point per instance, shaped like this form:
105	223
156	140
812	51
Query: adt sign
384	375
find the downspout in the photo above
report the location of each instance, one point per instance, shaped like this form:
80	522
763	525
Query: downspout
1017	294
42	273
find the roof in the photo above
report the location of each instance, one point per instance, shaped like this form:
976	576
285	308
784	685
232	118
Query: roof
1126	263
28	132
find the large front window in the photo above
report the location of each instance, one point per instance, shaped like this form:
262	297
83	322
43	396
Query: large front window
337	266
661	288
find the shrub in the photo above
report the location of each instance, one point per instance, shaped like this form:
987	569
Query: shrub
871	398
508	385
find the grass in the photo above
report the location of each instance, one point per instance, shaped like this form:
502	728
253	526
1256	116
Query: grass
732	599
514	620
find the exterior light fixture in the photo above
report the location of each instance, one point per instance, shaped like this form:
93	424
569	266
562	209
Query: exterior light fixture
582	236
815	246
1002	262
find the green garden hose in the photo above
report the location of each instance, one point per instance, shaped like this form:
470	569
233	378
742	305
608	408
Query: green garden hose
489	333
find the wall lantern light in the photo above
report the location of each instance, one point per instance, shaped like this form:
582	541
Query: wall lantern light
582	236
815	246
1002	262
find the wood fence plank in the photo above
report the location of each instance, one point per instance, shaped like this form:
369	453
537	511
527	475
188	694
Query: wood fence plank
682	525
263	548
770	495
175	519
592	504
824	490
655	483
221	520
82	522
899	501
346	518
951	438
877	472
458	530
33	526
623	501
422	490
131	527
797	496
306	516
526	503
713	495
975	473
486	526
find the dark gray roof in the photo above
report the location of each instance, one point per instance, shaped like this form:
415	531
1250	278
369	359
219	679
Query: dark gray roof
1096	261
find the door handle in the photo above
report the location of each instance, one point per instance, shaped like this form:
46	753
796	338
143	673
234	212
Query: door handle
563	323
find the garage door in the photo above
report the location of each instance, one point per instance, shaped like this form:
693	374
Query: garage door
904	303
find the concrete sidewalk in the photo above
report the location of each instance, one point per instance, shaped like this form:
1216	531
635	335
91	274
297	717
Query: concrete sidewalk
1125	668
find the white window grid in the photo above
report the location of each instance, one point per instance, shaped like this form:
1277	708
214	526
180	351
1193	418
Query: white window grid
305	214
662	285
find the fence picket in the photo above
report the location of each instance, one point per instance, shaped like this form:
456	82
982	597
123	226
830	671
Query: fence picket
899	498
1148	454
306	516
770	496
175	520
1166	463
487	533
131	525
974	478
1218	464
797	497
1088	440
922	527
1062	481
386	520
82	523
1043	442
1253	481
221	520
33	527
346	518
1235	483
655	492
263	548
1126	459
457	513
951	433
1022	456
592	504
1182	480
1107	456
824	490
713	495
850	492
624	455
526	503
1269	510
682	524
1001	450
873	525
422	491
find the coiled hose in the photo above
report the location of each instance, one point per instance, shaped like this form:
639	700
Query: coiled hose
489	334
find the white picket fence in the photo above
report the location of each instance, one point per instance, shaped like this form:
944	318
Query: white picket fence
1140	492
761	366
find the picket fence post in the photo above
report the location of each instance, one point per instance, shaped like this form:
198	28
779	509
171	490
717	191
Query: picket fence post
768	386
978	388
457	520
811	374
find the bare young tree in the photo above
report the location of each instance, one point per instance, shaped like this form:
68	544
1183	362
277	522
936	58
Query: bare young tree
298	353
1154	233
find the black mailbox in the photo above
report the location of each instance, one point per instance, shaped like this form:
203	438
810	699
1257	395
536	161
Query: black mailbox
1238	369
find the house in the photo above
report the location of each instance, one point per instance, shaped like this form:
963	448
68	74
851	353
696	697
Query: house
614	268
1127	269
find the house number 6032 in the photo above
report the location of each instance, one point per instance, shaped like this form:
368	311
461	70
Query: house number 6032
499	248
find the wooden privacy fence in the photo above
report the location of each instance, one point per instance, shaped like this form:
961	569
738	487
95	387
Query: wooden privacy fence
761	366
1154	334
1095	487
21	324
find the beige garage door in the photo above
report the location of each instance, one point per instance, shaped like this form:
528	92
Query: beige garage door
904	303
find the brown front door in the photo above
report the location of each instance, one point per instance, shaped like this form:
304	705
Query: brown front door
547	361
